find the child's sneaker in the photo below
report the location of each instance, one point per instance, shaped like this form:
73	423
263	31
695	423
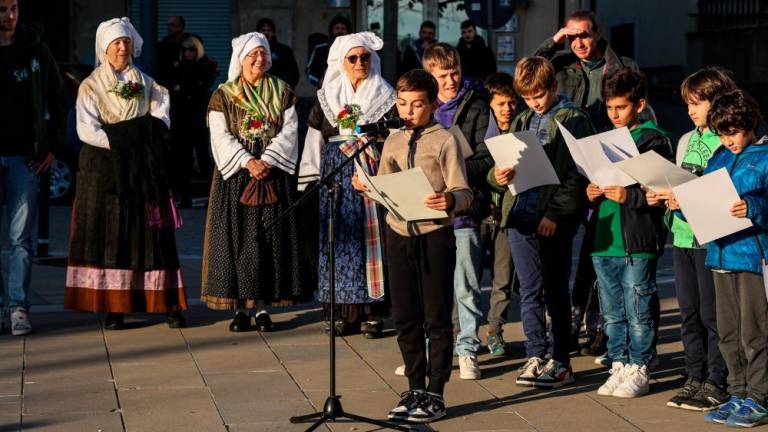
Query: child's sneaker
529	372
409	400
603	360
20	324
749	414
554	375
431	407
710	396
618	370
721	414
469	369
496	345
685	394
636	382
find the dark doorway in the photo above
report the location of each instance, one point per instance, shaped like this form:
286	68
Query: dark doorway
623	39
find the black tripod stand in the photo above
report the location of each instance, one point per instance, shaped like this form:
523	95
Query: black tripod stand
332	409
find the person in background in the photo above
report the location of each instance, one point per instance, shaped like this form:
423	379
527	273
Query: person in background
283	62
194	73
477	59
413	53
168	50
32	89
318	60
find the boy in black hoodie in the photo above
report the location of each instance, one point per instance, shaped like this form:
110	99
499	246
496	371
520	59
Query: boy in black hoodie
629	238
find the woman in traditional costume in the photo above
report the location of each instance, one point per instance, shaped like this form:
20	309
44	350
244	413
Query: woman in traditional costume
254	133
353	92
122	251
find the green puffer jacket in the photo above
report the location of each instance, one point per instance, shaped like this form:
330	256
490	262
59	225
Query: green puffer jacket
564	203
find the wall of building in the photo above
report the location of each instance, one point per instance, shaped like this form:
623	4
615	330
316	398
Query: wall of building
85	16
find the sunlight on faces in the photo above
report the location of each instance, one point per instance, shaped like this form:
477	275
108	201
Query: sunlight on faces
414	108
736	141
255	64
9	15
622	112
448	82
357	64
119	53
503	108
541	101
697	111
584	45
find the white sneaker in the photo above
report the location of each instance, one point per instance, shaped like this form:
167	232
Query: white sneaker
20	324
636	383
400	370
529	372
618	372
469	369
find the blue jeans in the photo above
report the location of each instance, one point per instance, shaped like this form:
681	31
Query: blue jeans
19	192
627	298
543	267
466	287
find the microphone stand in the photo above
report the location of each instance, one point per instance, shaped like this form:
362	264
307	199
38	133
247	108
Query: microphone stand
332	409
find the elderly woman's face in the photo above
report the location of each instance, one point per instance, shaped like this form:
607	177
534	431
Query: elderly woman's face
255	64
357	63
119	53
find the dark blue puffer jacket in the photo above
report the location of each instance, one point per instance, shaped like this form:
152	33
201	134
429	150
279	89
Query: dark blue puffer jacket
742	251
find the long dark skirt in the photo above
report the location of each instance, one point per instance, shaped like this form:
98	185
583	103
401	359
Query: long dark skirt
240	265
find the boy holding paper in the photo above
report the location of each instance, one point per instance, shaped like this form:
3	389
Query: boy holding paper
541	223
422	255
629	238
737	261
705	387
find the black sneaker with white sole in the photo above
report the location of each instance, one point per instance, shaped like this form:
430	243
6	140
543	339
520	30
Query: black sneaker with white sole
709	397
409	400
429	409
686	393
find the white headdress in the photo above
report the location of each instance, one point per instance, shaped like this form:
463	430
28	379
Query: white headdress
241	46
374	96
113	29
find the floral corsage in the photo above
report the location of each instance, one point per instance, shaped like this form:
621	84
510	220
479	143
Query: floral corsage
255	126
129	90
346	119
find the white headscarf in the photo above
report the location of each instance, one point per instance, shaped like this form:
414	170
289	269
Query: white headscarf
374	96
241	46
112	29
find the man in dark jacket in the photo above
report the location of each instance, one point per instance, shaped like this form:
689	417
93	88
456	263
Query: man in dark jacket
477	60
283	62
463	103
168	51
32	119
413	53
318	60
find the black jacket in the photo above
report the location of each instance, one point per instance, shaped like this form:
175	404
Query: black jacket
318	63
284	63
642	226
477	60
472	117
31	89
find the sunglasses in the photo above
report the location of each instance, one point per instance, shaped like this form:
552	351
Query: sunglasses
364	58
188	49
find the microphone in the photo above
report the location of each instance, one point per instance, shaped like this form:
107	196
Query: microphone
380	126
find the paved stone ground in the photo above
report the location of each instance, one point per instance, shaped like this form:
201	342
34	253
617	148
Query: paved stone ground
70	375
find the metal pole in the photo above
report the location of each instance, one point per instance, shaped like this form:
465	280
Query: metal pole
389	54
149	34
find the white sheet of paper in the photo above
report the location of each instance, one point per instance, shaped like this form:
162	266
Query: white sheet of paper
402	193
706	203
595	155
651	170
523	152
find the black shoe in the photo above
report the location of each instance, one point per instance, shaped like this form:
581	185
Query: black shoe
175	320
264	322
685	394
409	400
241	323
371	329
709	397
114	321
342	328
429	409
598	347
